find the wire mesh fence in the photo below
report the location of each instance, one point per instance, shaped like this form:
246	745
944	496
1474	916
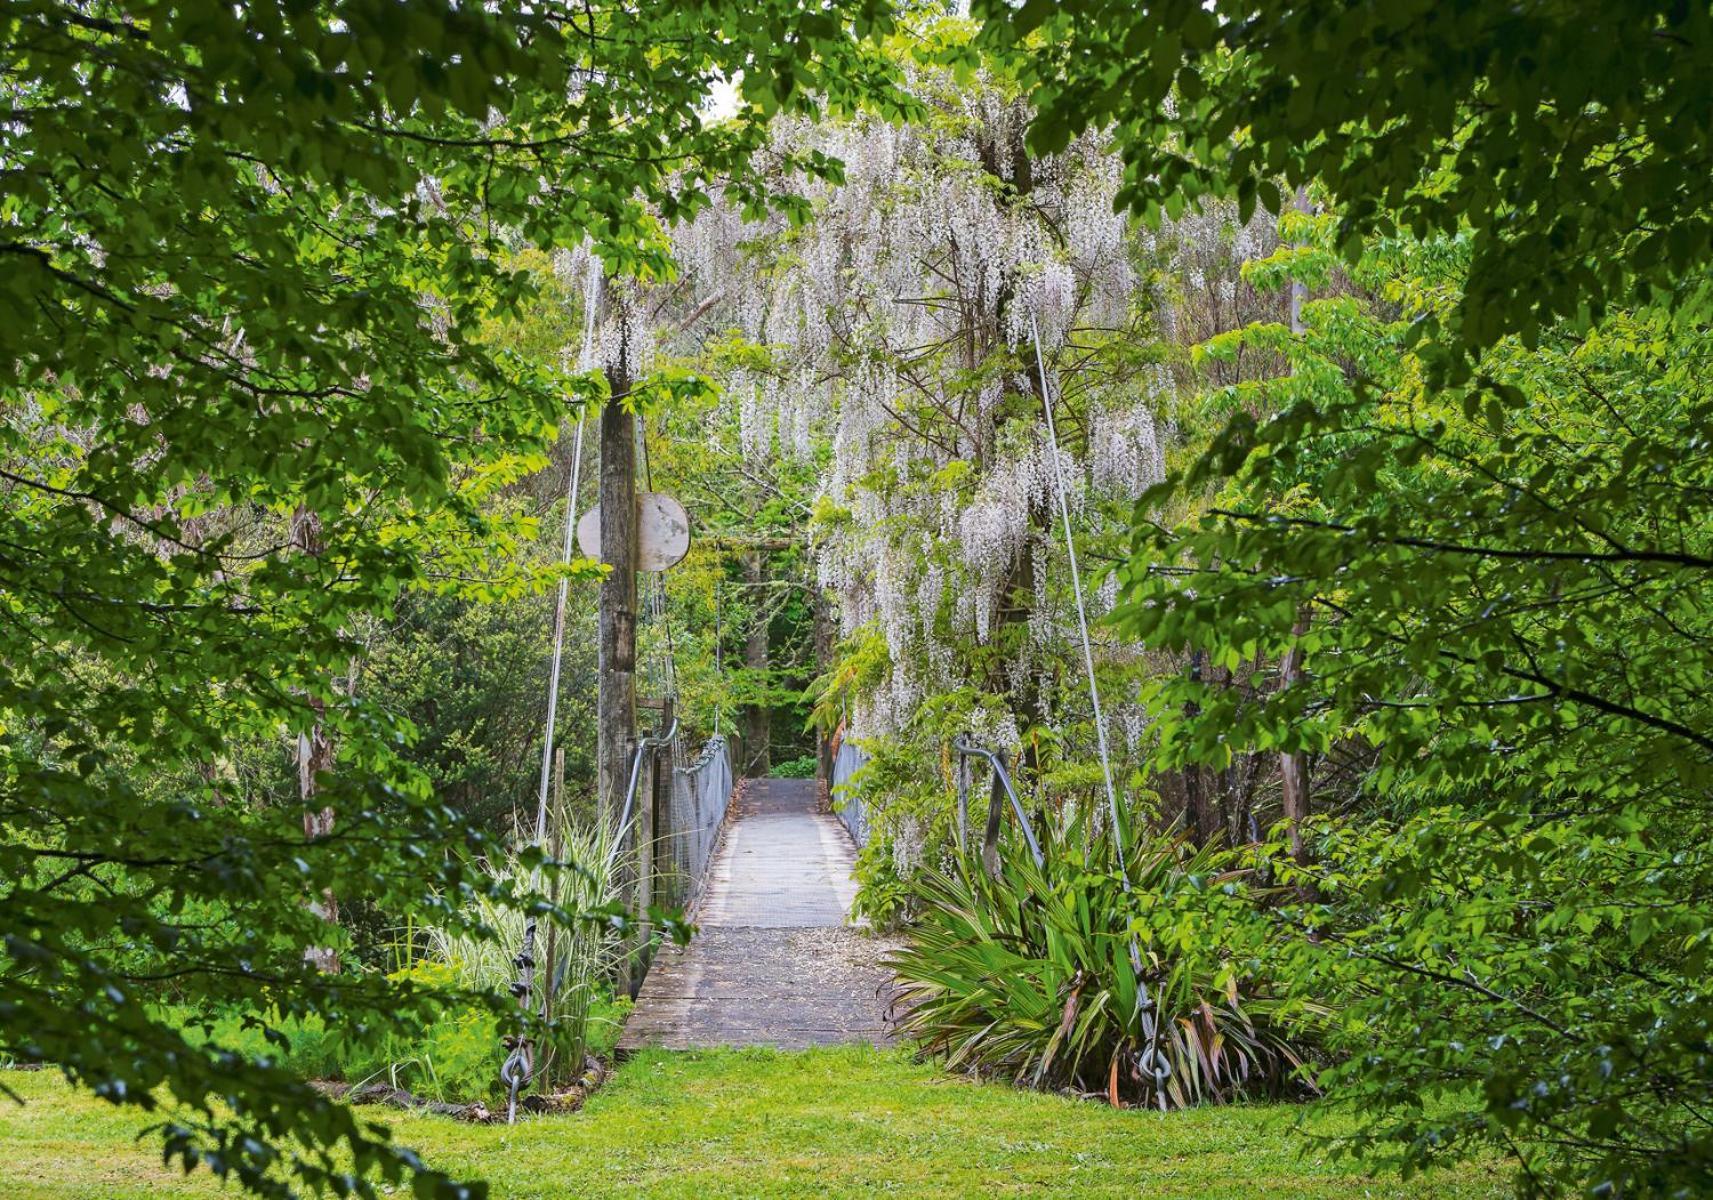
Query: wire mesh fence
672	821
847	800
701	793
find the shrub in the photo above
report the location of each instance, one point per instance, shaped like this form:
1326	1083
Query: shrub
909	824
1534	983
1031	974
453	1057
803	767
579	959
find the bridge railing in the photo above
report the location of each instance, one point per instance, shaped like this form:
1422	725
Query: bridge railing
852	810
670	819
669	824
701	793
846	798
1002	791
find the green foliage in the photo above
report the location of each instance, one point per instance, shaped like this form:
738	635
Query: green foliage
1536	982
1474	503
748	570
449	1057
578	959
796	768
252	259
1498	593
468	675
1030	974
908	818
1568	138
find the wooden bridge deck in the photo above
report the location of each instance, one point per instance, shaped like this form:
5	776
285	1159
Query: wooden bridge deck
773	962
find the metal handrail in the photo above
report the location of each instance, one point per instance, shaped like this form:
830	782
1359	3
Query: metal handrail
657	742
968	747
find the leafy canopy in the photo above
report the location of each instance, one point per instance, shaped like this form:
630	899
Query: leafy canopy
1474	505
248	253
1570	138
1501	608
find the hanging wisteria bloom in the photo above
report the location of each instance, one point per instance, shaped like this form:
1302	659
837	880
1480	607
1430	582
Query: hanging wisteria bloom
906	338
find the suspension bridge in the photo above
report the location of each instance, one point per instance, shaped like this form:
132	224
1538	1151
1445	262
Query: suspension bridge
764	868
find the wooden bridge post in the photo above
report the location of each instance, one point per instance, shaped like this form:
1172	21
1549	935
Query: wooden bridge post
644	865
661	858
757	717
824	624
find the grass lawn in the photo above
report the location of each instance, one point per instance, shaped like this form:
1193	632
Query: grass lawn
842	1122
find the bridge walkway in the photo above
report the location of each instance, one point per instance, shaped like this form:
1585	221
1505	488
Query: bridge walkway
775	961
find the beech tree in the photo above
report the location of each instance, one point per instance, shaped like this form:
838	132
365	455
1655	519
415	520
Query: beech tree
1566	139
1480	472
247	256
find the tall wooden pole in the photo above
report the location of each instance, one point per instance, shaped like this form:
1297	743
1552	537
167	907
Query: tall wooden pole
824	619
617	635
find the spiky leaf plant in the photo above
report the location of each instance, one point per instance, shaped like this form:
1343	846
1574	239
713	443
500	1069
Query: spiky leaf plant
1032	974
579	959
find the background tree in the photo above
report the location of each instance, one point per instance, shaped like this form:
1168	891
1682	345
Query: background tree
1480	477
1567	140
891	331
885	340
1508	641
249	254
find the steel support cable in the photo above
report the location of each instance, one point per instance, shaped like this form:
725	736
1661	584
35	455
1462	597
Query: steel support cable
519	1067
642	747
1152	1062
1077	588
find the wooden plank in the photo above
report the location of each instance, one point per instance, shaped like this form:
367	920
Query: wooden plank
775	961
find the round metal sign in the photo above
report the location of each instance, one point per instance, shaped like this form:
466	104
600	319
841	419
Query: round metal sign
662	532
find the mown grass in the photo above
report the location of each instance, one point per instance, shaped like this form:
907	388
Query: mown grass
837	1123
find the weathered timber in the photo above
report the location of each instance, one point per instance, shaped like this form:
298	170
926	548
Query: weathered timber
774	962
758	715
616	720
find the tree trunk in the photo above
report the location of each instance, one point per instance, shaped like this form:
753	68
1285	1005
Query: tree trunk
315	757
757	718
1203	806
823	662
1018	601
1293	773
